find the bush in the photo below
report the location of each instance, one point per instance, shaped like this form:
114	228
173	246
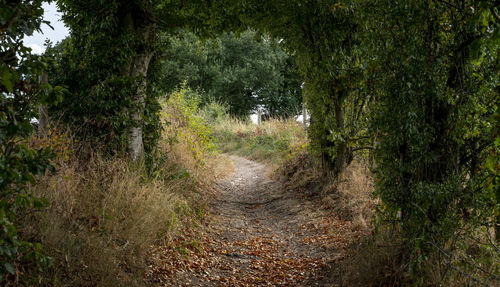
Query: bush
186	127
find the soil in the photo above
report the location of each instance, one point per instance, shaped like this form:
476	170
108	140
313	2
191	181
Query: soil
261	234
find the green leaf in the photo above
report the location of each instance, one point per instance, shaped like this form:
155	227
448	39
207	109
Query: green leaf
6	80
9	268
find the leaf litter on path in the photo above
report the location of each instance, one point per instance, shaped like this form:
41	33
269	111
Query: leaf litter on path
258	234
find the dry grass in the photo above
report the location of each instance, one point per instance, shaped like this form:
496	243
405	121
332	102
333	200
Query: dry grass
375	262
272	142
349	197
102	221
106	214
353	198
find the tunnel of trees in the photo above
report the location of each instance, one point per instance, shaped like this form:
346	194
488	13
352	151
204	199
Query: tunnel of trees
414	82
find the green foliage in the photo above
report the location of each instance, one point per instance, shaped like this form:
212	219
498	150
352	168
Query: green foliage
240	70
187	59
324	37
100	94
215	112
113	92
19	164
187	126
424	75
435	102
417	79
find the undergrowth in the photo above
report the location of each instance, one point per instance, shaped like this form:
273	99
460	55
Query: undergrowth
103	218
106	215
375	258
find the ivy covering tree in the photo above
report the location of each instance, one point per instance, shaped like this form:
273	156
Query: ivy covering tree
112	97
431	68
239	70
438	94
324	37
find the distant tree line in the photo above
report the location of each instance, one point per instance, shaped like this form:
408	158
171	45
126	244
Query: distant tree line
244	71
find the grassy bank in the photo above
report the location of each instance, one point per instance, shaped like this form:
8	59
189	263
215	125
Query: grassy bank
106	215
271	142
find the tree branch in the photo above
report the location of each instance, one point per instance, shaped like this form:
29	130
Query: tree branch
11	21
495	14
448	262
450	4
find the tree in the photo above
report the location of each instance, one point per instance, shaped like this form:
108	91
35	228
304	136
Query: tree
112	46
20	96
187	58
435	102
434	78
240	70
324	37
288	100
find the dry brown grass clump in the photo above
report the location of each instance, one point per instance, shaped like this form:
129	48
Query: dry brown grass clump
106	214
352	198
376	261
104	217
350	195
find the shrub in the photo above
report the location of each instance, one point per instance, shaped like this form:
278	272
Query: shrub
186	127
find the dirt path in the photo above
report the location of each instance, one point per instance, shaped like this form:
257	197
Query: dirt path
260	235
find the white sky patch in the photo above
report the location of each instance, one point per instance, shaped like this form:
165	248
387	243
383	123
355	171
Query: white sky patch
300	118
36	49
60	31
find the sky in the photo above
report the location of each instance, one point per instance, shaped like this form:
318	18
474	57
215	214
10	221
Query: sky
37	40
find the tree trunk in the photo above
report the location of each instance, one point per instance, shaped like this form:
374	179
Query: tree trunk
497	229
143	30
139	69
304	116
342	156
43	120
338	164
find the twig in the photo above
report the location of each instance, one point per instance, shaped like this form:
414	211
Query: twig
465	274
450	4
495	14
448	262
492	243
360	138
